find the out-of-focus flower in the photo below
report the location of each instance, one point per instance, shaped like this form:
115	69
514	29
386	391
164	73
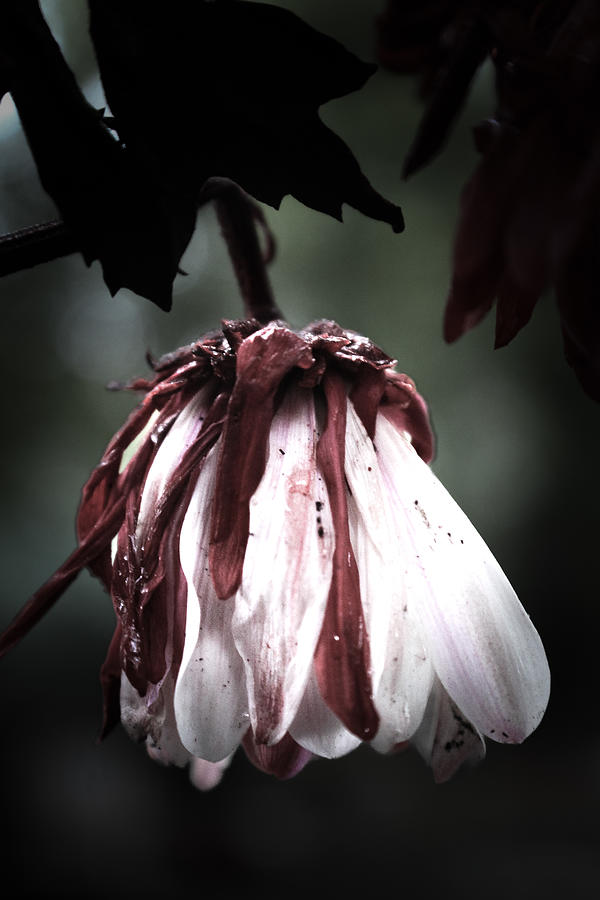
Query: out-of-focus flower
529	213
416	37
288	573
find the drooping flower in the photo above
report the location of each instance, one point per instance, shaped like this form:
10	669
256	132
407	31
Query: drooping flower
287	572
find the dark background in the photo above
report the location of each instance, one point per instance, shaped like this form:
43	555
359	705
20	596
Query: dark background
517	447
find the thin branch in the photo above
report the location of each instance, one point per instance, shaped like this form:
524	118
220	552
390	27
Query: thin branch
35	244
238	216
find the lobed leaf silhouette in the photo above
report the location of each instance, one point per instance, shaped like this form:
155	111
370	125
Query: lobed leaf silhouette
201	93
230	89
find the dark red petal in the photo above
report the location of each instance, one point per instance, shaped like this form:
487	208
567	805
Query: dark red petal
192	375
262	362
110	680
514	308
452	86
531	247
468	303
409	35
89	551
284	760
359	349
171	500
148	586
45	598
95	494
106	485
123	588
366	396
407	410
237	330
347	346
577	295
342	658
486	203
142	644
162	618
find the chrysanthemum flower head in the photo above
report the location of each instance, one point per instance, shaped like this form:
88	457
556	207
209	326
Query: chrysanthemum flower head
287	572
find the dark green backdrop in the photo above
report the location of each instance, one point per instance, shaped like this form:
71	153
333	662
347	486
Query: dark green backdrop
517	446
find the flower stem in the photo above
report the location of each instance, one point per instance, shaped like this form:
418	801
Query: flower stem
238	216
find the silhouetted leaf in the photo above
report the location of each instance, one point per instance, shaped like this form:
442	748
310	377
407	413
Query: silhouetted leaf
198	92
109	211
232	89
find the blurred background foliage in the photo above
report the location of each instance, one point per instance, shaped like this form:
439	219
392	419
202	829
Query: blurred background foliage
517	447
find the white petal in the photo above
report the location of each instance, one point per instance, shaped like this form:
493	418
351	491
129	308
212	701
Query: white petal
402	673
280	605
182	434
370	537
151	719
317	729
206	775
130	451
484	647
446	739
210	694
